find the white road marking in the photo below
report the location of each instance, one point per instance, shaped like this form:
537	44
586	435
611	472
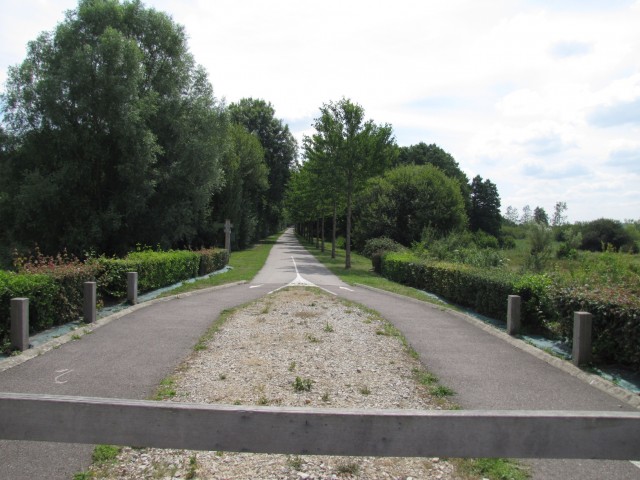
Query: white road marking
62	373
300	281
637	464
345	288
255	286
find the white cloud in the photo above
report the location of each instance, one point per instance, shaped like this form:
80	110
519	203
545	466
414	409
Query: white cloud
518	92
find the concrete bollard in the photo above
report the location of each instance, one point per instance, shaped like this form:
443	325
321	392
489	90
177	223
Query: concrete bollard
132	287
513	315
582	323
20	323
89	303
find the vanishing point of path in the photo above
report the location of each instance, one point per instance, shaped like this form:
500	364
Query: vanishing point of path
128	357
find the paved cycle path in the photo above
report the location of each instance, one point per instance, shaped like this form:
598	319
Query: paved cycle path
128	357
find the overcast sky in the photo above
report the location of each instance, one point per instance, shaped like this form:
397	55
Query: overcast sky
541	97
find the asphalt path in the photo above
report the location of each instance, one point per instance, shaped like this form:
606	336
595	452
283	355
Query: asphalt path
128	357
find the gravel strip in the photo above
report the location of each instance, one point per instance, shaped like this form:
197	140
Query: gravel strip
352	360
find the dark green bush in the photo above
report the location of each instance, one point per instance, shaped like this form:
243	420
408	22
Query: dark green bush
42	292
547	305
155	270
212	259
375	248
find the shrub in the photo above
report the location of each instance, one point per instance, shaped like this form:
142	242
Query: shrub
155	270
596	235
42	291
547	303
376	247
212	259
69	274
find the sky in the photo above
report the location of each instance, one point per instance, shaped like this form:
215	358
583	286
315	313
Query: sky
541	97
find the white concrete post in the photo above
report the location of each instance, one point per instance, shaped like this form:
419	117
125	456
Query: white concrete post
20	323
132	287
513	315
582	323
89	302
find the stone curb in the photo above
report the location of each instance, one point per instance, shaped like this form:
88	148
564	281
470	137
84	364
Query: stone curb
14	361
594	380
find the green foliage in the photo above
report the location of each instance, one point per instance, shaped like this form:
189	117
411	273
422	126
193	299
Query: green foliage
42	291
607	288
423	154
598	234
375	248
460	247
212	259
115	135
280	152
404	201
351	150
155	270
485	206
492	468
242	197
105	453
69	274
302	385
541	240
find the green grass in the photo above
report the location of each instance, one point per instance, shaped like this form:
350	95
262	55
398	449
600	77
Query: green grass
245	265
361	272
491	468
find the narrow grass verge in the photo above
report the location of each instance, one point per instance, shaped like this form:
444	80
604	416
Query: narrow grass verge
245	264
362	272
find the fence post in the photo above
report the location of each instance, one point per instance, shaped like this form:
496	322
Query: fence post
20	323
581	353
89	304
513	315
132	287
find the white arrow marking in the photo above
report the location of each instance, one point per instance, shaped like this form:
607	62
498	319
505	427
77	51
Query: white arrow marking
345	288
255	286
62	373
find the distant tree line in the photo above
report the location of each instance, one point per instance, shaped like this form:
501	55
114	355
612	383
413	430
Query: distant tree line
354	170
111	136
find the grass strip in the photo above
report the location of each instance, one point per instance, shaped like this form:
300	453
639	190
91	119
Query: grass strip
361	272
245	265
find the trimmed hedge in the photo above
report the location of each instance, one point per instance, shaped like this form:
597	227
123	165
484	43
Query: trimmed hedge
616	329
42	292
212	259
155	270
55	291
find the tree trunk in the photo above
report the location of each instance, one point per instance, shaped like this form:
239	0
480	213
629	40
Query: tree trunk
322	236
317	233
347	247
333	229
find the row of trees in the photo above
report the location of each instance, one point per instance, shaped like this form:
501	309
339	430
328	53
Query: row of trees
111	136
353	168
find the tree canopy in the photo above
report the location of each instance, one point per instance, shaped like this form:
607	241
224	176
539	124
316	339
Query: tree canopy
117	134
280	155
404	201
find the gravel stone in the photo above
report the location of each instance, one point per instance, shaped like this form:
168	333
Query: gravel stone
254	359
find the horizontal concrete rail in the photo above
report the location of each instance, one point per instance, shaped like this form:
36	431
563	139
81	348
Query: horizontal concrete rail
515	434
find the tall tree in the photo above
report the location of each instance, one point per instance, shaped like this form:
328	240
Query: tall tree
512	214
485	206
540	216
404	201
246	182
527	216
118	134
423	154
280	154
359	150
559	218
